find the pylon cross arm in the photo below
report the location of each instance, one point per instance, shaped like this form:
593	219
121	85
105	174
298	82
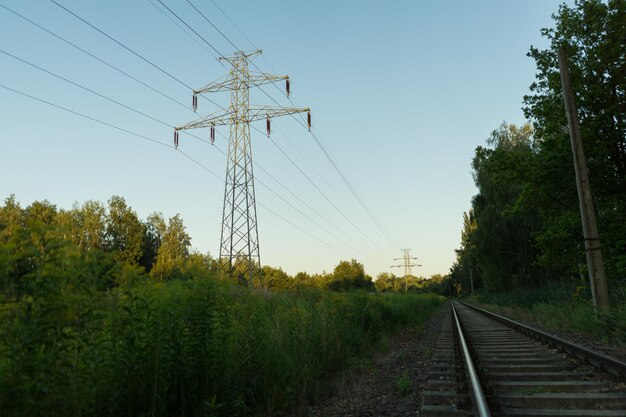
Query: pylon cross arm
253	80
257	79
220	85
264	112
216	119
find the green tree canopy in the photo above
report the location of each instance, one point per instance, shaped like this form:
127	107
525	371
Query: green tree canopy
593	34
174	246
124	232
350	275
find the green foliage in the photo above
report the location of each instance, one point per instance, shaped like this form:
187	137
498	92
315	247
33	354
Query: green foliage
560	307
349	276
387	282
124	231
173	249
93	245
403	383
346	276
594	36
86	330
192	347
155	229
500	240
524	228
276	278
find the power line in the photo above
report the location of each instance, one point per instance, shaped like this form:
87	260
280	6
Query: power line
407	264
326	153
235	46
130	50
282	107
92	55
84	88
239	243
298	210
354	192
150	62
120	44
162	123
305	159
269	209
180	27
311	220
49	103
243	34
96	93
257	165
211	23
155	141
341	175
168	125
306	205
324	195
190	28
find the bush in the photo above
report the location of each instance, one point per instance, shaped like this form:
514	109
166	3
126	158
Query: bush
198	347
560	307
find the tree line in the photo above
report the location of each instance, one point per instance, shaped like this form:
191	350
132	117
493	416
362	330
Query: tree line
106	246
523	228
105	314
91	244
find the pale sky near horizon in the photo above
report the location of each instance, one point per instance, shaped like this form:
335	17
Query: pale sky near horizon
401	93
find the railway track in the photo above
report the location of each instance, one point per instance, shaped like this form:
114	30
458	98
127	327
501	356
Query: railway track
487	365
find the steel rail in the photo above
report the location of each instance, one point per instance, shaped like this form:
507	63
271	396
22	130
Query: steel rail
479	396
607	363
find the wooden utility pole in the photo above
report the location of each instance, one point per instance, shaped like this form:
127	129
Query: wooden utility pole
593	249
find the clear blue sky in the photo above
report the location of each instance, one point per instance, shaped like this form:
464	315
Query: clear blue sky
401	92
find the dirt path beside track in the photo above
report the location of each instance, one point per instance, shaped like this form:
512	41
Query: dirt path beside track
388	385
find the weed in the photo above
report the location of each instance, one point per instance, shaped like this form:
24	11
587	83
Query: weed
403	354
428	352
403	383
559	308
199	347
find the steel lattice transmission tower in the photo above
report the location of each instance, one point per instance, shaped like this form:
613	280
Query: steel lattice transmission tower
239	245
408	259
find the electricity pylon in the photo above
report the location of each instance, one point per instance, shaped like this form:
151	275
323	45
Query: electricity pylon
239	245
407	266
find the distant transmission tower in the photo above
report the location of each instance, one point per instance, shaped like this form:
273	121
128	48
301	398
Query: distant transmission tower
407	265
239	246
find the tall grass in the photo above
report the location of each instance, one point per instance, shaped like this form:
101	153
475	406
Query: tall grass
185	348
560	307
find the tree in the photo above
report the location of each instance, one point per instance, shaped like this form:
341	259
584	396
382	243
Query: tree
497	239
277	279
173	250
348	276
11	218
124	231
302	279
386	281
155	228
466	255
593	34
11	215
91	219
527	223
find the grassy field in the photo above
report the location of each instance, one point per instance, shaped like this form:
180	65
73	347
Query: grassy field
186	348
561	308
